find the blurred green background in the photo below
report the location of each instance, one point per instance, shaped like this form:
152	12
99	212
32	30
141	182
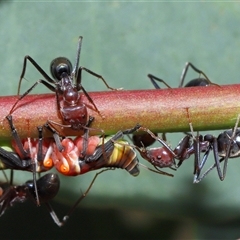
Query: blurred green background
124	42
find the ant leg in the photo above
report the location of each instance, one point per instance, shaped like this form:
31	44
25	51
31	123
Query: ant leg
40	144
229	147
216	164
16	137
34	167
56	136
153	79
66	217
90	100
197	157
157	171
159	140
198	165
190	84
24	153
79	78
90	120
34	63
42	72
46	84
74	71
221	173
77	72
109	145
197	178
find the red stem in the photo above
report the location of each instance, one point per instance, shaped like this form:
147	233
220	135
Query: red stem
163	110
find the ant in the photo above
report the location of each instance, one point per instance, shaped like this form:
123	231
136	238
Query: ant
67	84
197	82
162	157
144	139
225	146
47	187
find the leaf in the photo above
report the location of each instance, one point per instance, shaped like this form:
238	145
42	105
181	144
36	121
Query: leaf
124	42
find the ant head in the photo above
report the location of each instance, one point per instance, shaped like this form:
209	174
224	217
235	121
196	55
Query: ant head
143	140
59	66
159	157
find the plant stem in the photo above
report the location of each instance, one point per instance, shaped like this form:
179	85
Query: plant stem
163	110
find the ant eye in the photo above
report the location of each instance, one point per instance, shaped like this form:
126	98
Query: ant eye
59	66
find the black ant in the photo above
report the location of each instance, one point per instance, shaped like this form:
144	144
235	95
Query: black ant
192	83
225	146
67	84
144	139
47	187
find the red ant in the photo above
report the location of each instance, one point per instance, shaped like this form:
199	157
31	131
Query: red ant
162	157
66	83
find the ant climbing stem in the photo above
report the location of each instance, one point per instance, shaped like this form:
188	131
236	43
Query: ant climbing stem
67	85
63	82
193	83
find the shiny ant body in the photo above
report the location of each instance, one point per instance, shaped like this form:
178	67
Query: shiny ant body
47	187
67	84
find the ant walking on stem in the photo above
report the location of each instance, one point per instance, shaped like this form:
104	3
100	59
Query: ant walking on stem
145	139
197	82
67	84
